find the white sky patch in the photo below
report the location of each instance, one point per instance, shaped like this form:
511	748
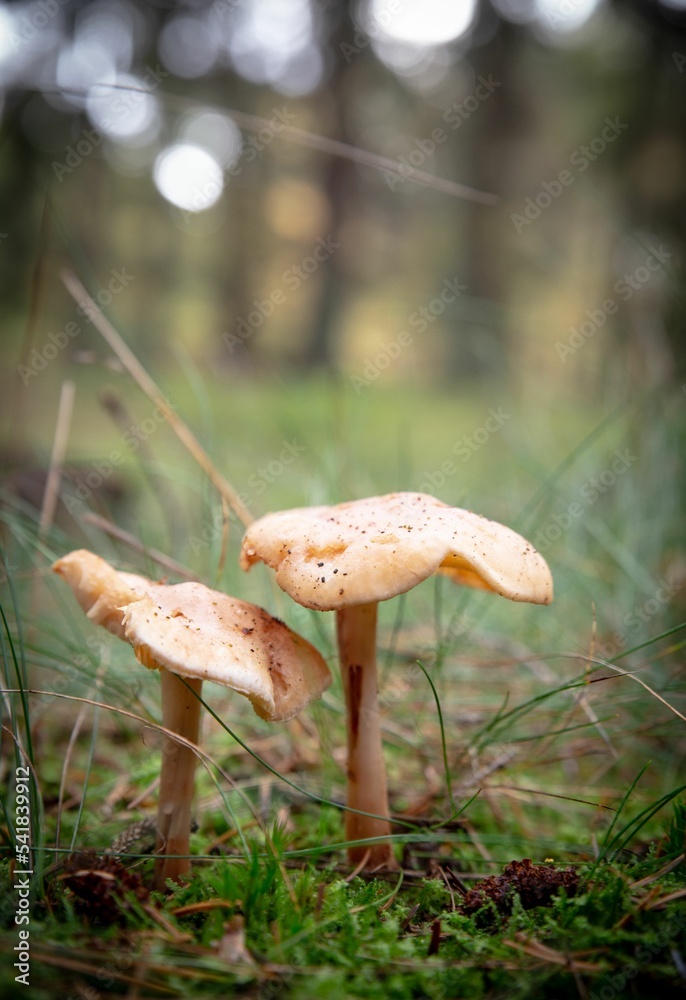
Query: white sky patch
517	11
215	132
420	22
302	73
188	177
126	113
565	15
79	66
274	41
8	28
187	47
278	27
29	39
402	59
111	23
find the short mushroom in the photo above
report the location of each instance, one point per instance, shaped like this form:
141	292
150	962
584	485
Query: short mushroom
348	557
191	634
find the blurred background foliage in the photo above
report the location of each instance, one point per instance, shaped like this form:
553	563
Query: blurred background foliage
209	208
405	233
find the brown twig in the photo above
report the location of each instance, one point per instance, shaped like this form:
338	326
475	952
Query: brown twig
435	942
206	904
665	870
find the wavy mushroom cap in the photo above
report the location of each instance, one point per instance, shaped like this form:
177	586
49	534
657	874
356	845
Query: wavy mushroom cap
373	549
101	590
200	633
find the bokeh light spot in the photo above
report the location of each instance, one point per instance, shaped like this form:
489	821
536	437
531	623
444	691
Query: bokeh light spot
420	22
564	16
188	177
296	210
124	109
187	48
215	132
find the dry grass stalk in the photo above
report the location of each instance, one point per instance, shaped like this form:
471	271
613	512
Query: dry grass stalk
153	392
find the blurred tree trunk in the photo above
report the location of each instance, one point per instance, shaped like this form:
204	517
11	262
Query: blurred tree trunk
338	183
489	131
654	176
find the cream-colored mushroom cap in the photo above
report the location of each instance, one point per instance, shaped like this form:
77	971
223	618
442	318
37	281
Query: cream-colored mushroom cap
101	590
200	633
373	549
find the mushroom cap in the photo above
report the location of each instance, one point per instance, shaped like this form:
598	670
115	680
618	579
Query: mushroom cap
371	550
202	634
101	590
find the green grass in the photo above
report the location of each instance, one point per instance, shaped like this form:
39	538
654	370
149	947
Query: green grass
550	754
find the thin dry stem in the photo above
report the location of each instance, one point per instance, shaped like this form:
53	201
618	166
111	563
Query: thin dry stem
152	391
134	543
332	147
224	539
59	449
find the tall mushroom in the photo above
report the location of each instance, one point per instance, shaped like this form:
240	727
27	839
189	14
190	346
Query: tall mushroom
348	557
191	634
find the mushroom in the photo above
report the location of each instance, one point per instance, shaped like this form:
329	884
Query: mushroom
191	634
348	557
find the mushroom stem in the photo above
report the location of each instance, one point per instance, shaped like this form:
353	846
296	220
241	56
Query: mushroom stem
356	630
180	714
